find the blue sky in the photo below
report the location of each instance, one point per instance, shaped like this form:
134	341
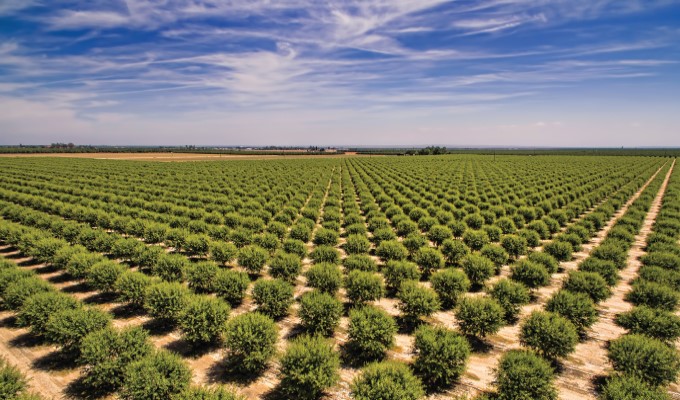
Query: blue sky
372	72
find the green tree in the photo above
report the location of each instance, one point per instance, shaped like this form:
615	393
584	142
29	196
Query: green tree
309	366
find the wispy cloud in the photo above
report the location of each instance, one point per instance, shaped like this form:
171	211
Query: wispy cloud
102	62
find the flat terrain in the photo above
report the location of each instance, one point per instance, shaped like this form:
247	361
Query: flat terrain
240	203
166	157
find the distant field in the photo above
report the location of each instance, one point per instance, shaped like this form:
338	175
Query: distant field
180	156
470	245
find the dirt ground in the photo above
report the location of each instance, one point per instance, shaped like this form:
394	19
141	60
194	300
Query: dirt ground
49	378
589	361
182	156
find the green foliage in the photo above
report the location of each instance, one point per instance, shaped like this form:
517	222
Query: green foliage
611	251
439	233
662	259
442	355
44	249
203	393
416	301
326	237
475	239
652	322
477	268
68	327
578	308
357	244
12	382
371	332
231	285
201	276
197	244
252	258
222	252
131	287
273	297
479	316
389	250
203	319
78	266
106	353
37	309
532	238
296	247
250	339
285	266
361	262
522	374
590	283
449	284
396	272
653	295
389	380
661	276
605	268
515	245
549	333
529	273
364	286
414	241
171	267
627	387
16	293
560	250
496	254
545	259
158	376
104	275
309	366
325	277
511	296
320	312
166	300
325	254
648	359
454	251
429	260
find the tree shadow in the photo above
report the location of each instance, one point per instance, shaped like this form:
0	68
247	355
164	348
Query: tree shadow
599	381
159	327
124	311
79	389
9	322
47	269
58	360
408	325
14	256
61	278
295	331
479	345
352	357
100	298
28	339
80	287
191	350
228	371
9	249
29	263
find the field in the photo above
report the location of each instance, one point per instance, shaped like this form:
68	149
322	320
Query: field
167	157
341	277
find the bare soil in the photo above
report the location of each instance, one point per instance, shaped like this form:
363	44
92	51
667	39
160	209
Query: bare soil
589	360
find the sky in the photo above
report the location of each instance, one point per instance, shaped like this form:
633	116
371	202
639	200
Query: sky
574	73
